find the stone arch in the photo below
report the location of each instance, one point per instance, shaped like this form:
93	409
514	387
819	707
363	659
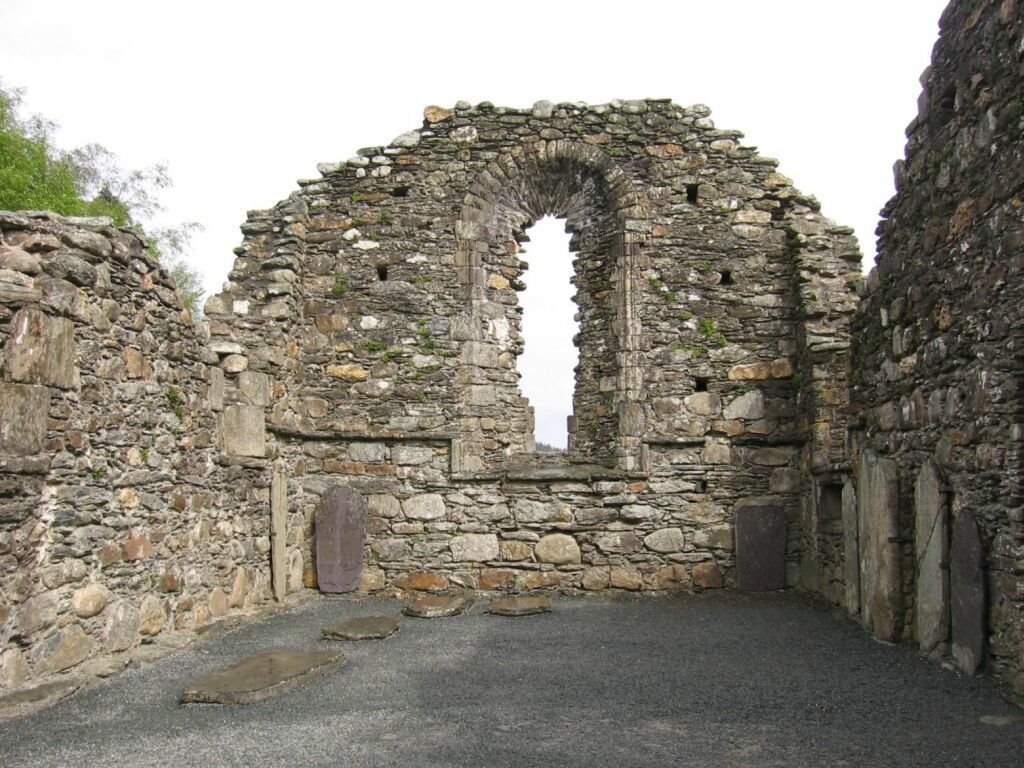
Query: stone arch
606	216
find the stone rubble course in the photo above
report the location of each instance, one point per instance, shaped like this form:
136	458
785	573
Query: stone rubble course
438	606
261	676
125	519
363	628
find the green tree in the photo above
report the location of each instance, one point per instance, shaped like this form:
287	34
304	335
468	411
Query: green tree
88	181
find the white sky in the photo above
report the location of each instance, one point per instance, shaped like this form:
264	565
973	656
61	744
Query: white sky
240	99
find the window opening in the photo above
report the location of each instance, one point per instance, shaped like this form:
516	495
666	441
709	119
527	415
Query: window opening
382	272
547	364
726	277
691	193
700	384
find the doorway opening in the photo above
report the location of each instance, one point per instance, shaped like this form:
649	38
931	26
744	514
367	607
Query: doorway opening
547	365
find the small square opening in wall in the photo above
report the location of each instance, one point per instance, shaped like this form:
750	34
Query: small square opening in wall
691	193
726	277
700	384
382	272
701	486
400	192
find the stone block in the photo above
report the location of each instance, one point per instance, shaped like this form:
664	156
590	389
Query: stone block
878	530
931	555
411	455
425	506
480	354
216	388
243	431
278	535
89	600
514	551
665	540
62	650
621	542
122	627
539	580
41	350
391	550
851	549
497	578
349	372
423	581
475	547
383	505
340	538
529	511
671	577
151	615
707	575
625	577
24	414
760	548
967	593
716	451
37	613
255	387
370	453
703	403
239	589
749	406
558	549
595	579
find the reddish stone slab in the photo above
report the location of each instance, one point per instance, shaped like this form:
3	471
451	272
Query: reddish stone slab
340	536
760	548
967	593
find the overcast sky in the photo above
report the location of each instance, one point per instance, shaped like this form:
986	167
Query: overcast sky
240	99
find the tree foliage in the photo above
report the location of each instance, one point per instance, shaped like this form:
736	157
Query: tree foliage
88	181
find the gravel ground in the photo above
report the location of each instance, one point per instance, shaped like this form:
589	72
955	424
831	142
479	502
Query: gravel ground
720	680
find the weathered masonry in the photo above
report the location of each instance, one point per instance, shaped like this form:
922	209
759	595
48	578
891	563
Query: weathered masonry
938	406
747	412
714	300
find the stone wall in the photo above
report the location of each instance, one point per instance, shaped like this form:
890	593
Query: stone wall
122	521
937	399
380	304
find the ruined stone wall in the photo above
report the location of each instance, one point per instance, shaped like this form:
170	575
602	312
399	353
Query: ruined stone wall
123	519
380	301
937	399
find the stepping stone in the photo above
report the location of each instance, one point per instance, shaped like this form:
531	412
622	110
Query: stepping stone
437	606
260	677
363	628
25	702
520	606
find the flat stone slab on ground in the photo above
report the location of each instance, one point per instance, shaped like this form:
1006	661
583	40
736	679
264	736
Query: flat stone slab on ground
363	628
437	606
519	606
22	702
261	676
